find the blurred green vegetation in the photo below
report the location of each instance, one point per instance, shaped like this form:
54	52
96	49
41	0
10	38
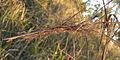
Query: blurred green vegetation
19	17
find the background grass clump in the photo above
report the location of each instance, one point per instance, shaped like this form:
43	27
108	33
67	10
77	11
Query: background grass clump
80	41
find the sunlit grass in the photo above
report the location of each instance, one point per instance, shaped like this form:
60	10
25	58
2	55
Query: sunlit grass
26	16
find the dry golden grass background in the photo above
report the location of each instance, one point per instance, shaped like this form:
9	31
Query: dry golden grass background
54	30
